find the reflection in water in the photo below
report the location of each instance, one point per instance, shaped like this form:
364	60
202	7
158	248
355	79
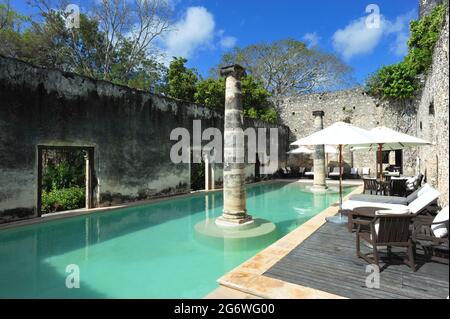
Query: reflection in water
144	252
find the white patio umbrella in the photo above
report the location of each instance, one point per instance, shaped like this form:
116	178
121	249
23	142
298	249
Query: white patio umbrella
338	134
304	150
387	139
301	150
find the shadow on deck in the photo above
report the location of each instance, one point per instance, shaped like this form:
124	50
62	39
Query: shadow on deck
327	261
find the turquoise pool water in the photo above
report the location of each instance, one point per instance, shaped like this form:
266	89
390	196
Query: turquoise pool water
148	251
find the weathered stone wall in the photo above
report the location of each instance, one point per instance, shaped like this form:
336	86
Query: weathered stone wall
425	6
433	117
129	130
355	107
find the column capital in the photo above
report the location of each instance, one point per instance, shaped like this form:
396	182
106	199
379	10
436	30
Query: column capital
318	113
234	70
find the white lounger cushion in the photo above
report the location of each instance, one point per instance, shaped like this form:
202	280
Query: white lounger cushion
352	204
380	199
440	230
425	197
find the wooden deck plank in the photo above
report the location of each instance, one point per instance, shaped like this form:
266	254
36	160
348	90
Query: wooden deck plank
327	261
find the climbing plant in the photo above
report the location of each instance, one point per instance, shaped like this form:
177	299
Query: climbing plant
399	81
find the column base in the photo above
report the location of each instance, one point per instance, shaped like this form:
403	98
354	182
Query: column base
241	223
319	188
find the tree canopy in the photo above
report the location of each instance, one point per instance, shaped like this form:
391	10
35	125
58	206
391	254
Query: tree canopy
114	40
289	67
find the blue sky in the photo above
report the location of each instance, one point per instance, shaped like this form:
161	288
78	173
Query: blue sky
208	28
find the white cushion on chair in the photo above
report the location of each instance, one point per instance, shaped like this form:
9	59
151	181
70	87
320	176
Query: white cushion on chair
411	182
399	211
440	230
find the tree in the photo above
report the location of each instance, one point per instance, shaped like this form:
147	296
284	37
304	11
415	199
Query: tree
289	67
114	41
181	81
211	93
256	104
11	23
135	26
400	81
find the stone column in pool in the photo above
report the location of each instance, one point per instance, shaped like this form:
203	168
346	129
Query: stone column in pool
234	200
319	157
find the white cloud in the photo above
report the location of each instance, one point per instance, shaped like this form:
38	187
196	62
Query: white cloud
193	32
311	39
357	39
400	29
226	42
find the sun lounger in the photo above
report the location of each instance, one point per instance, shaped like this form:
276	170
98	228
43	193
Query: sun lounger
335	172
366	171
310	173
428	196
390	199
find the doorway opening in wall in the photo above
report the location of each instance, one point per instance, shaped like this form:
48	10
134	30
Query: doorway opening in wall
197	176
65	178
392	161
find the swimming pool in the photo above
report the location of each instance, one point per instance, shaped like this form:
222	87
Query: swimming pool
149	251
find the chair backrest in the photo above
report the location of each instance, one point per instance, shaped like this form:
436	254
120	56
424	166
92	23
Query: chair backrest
393	228
419	180
301	170
366	171
427	195
398	187
336	169
370	185
354	171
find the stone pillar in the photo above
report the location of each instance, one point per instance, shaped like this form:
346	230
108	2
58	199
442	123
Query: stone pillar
319	156
234	212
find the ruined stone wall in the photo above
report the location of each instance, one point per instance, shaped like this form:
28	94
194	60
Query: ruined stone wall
433	117
355	107
425	6
129	130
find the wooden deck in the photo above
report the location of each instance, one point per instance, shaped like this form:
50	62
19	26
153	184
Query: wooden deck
327	261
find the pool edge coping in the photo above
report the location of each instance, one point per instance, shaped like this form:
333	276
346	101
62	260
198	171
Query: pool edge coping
249	276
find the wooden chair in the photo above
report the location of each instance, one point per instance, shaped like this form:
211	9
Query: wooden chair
398	187
371	186
388	231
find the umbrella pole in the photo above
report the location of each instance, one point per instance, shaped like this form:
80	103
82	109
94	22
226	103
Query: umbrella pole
339	219
380	158
340	179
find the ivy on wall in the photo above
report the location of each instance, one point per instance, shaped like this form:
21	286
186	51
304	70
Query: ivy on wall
400	81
